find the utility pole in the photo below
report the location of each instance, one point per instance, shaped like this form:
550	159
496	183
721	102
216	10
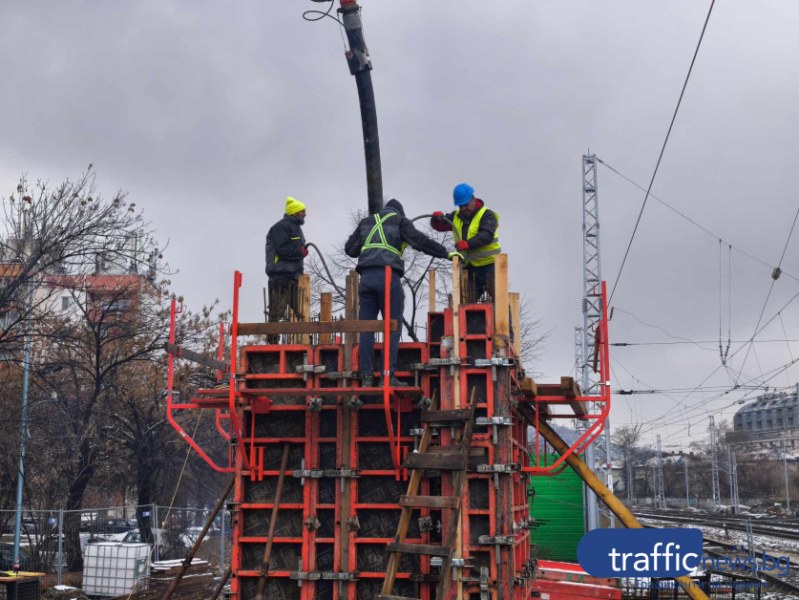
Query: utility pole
659	485
26	368
654	486
609	468
785	474
592	312
714	466
734	478
687	492
25	234
630	482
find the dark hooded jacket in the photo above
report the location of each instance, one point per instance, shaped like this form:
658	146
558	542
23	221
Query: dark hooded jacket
284	244
372	250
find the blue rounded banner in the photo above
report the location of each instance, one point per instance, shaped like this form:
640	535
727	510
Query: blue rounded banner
640	552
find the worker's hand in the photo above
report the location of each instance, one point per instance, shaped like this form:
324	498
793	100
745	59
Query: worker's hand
462	245
452	255
304	251
438	215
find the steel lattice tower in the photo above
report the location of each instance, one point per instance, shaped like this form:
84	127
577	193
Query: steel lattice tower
592	273
592	304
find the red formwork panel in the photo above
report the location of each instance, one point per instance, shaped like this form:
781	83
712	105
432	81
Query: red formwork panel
496	514
340	502
560	580
564	590
314	521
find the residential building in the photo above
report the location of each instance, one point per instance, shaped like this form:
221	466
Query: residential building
769	421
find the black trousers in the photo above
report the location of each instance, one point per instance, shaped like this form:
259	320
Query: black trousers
284	294
372	298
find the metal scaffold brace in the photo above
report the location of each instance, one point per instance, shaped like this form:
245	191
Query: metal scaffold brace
615	505
200	538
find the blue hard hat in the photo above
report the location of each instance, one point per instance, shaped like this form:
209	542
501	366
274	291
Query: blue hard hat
462	193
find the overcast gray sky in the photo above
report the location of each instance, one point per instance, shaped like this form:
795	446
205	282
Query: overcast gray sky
210	113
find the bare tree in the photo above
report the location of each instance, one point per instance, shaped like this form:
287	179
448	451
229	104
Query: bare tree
68	229
87	359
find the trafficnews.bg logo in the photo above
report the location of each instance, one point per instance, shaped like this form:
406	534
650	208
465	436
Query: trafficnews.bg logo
640	552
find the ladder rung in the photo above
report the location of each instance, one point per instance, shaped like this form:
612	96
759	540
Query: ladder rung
426	549
447	416
425	577
456	449
430	501
438	461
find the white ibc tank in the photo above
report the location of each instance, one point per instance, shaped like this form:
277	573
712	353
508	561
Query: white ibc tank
112	568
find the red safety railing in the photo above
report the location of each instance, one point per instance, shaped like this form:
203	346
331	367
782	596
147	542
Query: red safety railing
597	407
172	407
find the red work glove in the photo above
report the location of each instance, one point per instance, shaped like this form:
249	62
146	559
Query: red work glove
438	214
303	251
462	245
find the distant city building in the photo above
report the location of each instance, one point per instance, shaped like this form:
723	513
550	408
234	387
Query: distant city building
770	420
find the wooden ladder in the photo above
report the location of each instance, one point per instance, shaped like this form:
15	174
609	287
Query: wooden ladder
453	458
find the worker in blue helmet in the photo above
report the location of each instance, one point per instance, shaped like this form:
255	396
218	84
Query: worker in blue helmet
474	229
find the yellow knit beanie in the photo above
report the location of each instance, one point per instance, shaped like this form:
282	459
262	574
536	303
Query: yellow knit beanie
293	206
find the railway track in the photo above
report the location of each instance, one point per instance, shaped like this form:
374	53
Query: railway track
784	579
787	530
782	575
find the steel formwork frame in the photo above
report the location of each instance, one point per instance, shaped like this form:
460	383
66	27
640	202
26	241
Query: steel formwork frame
339	507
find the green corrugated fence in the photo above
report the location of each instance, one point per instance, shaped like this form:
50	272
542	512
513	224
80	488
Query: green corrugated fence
557	505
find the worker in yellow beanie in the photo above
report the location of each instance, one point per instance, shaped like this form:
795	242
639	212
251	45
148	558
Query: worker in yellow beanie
294	206
285	253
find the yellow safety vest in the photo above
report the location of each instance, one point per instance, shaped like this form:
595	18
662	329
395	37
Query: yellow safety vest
478	257
382	244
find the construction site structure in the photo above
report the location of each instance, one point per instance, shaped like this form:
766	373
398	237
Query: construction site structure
421	491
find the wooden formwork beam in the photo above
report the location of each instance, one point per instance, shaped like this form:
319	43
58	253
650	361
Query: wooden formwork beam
305	305
326	315
345	326
515	300
501	310
431	294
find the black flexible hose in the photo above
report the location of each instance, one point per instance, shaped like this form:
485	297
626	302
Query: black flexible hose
324	264
407	325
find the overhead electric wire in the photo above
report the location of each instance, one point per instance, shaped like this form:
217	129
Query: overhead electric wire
697	342
770	375
681	402
658	327
662	149
775	275
695	223
790	353
712	388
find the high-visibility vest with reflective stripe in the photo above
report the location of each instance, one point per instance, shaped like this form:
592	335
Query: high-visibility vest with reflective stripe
484	255
377	230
